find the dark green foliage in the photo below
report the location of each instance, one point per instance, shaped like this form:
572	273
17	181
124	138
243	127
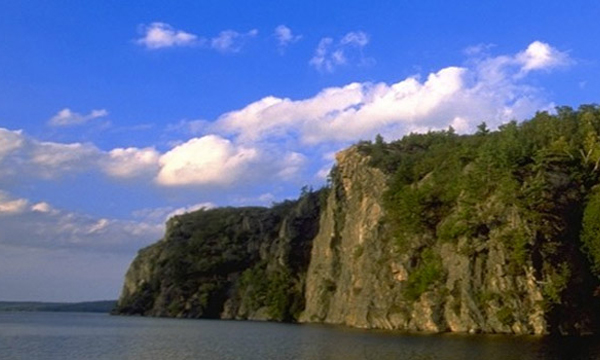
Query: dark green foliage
590	235
505	316
428	272
277	289
526	182
256	256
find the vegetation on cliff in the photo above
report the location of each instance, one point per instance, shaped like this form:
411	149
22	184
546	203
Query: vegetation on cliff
244	262
544	172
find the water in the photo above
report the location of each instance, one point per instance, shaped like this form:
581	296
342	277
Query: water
97	336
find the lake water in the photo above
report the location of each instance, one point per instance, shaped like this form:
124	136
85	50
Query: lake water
97	336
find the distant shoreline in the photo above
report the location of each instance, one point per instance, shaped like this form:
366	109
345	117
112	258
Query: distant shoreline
103	306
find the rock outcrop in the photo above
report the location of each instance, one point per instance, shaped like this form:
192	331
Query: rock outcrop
330	257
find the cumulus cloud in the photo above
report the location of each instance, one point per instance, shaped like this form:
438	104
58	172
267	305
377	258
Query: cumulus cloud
285	37
541	56
277	117
207	160
231	41
160	35
131	162
490	89
268	138
538	56
330	54
66	117
26	156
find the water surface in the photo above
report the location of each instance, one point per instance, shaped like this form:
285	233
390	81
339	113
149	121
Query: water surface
98	336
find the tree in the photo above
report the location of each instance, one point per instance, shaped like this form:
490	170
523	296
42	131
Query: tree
482	129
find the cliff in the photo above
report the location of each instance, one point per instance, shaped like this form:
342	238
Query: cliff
231	263
496	232
361	277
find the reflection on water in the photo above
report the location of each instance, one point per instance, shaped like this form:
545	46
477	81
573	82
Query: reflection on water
93	336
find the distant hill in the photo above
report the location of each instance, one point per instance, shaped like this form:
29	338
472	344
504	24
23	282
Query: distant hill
104	306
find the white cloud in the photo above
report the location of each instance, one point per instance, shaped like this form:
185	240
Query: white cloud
99	227
50	159
230	41
321	60
131	162
25	156
478	50
42	207
291	165
277	117
9	206
209	160
490	89
355	38
267	139
10	141
539	55
161	214
285	36
348	113
66	117
43	227
206	161
329	54
160	35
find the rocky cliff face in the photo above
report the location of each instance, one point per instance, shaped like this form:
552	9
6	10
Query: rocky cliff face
360	276
330	257
244	263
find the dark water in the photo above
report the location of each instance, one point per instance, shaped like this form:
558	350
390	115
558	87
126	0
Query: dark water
93	336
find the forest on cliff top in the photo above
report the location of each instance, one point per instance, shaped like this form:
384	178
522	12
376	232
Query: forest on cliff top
546	168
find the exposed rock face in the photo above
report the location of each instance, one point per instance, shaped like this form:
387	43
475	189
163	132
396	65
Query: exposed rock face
358	276
347	282
339	264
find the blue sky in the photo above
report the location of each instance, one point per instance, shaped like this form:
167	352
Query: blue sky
115	116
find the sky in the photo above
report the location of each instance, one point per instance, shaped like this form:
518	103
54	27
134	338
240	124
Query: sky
116	115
